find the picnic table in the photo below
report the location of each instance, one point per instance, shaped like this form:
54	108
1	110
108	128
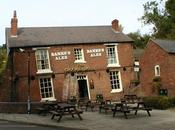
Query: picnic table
46	107
66	109
105	105
130	103
85	103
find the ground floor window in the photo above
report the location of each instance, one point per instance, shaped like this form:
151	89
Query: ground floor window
46	88
115	81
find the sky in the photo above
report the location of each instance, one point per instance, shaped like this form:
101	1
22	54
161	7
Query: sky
51	13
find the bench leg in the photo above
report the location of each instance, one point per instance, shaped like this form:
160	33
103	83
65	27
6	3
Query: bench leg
148	113
72	115
114	113
79	116
125	115
100	109
92	108
60	116
53	116
106	111
136	112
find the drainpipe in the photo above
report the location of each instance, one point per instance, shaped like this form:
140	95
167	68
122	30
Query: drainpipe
12	75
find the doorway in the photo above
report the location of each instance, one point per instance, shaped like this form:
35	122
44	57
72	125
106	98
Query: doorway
82	86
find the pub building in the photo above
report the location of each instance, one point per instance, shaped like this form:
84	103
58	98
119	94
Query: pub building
57	63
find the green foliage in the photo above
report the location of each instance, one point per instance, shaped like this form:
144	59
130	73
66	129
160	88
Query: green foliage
159	102
139	40
3	60
162	18
156	85
170	7
157	79
99	97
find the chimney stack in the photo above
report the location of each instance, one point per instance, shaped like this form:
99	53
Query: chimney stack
14	25
115	25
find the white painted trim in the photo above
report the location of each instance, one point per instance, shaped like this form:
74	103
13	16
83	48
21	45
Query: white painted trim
40	48
40	71
108	44
51	98
14	36
121	86
48	99
116	90
83	59
155	70
45	71
79	61
116	55
117	58
113	65
87	81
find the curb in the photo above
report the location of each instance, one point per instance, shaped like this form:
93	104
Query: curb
44	125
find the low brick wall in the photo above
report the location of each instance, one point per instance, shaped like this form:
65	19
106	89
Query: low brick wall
18	107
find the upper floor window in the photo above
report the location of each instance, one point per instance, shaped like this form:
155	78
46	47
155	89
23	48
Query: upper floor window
42	61
115	81
157	70
112	56
79	56
46	88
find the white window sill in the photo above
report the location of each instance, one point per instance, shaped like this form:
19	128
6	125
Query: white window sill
79	61
44	71
48	99
116	90
157	75
113	65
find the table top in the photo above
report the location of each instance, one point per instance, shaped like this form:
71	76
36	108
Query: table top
65	105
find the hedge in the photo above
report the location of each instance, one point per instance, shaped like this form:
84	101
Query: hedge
160	102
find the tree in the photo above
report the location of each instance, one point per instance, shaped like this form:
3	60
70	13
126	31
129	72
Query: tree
3	57
139	40
163	18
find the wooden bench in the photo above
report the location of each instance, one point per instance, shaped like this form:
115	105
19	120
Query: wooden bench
46	107
61	113
130	100
85	103
106	106
119	107
130	103
66	109
142	106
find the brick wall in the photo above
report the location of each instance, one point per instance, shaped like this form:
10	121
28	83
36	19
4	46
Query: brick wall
154	55
18	107
98	64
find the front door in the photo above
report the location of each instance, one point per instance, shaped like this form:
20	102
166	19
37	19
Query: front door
83	91
83	88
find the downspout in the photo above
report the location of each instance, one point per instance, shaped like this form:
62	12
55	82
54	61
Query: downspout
12	94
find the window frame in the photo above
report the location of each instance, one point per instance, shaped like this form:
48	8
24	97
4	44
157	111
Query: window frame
115	55
38	52
82	55
157	70
53	95
114	80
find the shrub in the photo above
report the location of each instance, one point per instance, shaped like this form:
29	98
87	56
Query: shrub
159	102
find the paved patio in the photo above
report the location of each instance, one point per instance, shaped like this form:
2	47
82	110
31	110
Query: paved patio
160	120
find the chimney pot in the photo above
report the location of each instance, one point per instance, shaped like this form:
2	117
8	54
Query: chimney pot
14	25
115	25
